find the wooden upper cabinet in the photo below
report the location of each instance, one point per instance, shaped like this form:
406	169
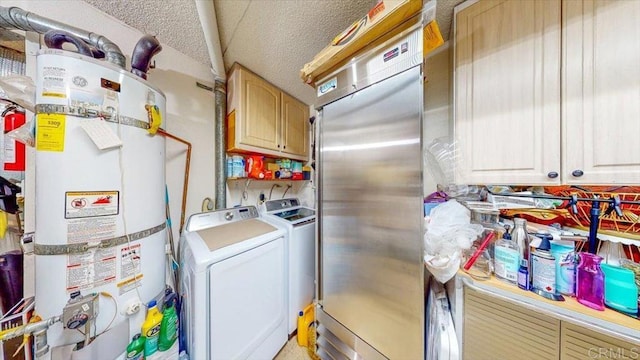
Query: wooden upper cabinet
295	126
263	119
601	92
507	92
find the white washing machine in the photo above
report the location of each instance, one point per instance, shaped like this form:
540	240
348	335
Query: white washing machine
300	223
232	280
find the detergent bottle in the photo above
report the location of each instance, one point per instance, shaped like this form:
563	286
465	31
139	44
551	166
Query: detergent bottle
169	324
135	350
305	321
151	328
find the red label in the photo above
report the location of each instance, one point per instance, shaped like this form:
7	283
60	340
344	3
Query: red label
376	10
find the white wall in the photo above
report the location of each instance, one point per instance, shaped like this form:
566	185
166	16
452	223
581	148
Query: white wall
190	110
437	104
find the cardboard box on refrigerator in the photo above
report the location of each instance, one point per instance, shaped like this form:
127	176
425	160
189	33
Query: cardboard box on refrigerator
384	16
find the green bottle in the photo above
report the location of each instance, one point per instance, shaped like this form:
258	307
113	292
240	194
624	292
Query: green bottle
135	349
169	325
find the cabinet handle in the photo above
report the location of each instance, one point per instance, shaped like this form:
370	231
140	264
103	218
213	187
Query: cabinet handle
552	175
577	173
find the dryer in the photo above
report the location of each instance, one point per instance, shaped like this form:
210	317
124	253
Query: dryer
232	280
300	255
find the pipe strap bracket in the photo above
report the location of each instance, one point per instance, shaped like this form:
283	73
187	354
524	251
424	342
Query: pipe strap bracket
68	249
83	112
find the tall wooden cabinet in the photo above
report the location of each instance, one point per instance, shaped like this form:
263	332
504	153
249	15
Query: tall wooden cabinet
532	109
507	91
601	91
263	119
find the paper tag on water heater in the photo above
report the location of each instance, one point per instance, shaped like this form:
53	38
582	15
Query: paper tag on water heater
101	134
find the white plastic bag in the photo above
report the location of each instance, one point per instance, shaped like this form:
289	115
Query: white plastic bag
19	89
449	232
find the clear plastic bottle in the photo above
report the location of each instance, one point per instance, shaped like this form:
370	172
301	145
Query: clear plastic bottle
506	259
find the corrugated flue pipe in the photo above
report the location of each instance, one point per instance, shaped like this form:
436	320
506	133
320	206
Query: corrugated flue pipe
15	18
220	91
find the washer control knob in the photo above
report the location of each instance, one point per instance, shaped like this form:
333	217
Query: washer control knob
228	216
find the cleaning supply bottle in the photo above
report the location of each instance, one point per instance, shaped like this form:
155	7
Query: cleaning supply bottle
523	275
506	259
135	349
151	328
169	324
305	321
543	266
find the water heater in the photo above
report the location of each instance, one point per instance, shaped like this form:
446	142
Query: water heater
100	190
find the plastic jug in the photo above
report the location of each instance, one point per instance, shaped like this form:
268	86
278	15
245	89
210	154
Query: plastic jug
135	349
151	329
305	320
169	324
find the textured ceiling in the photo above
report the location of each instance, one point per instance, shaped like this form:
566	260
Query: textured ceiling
273	38
173	22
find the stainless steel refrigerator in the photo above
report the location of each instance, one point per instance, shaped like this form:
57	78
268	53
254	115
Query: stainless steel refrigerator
370	194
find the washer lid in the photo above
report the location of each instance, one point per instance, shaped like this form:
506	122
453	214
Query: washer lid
228	234
294	215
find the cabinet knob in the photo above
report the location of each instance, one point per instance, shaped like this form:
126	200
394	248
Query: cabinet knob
577	173
284	146
278	146
552	175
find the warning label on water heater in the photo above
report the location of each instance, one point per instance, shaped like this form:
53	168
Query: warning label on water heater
83	204
94	268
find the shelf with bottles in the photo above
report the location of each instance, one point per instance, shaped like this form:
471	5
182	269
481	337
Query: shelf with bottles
261	168
265	180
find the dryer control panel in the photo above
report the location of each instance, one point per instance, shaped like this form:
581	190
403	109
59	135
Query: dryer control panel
220	217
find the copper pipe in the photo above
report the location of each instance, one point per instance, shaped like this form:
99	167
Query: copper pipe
186	174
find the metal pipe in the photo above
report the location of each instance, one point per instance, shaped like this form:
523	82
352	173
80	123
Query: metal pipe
187	165
221	144
145	49
54	39
16	18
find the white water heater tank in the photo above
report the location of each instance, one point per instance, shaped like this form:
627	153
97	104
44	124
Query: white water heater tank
100	175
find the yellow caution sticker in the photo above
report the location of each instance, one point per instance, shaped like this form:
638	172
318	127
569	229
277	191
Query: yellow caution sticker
50	132
432	38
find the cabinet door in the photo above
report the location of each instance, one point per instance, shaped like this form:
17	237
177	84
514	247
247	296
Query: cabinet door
497	329
507	92
579	343
601	92
260	120
295	126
